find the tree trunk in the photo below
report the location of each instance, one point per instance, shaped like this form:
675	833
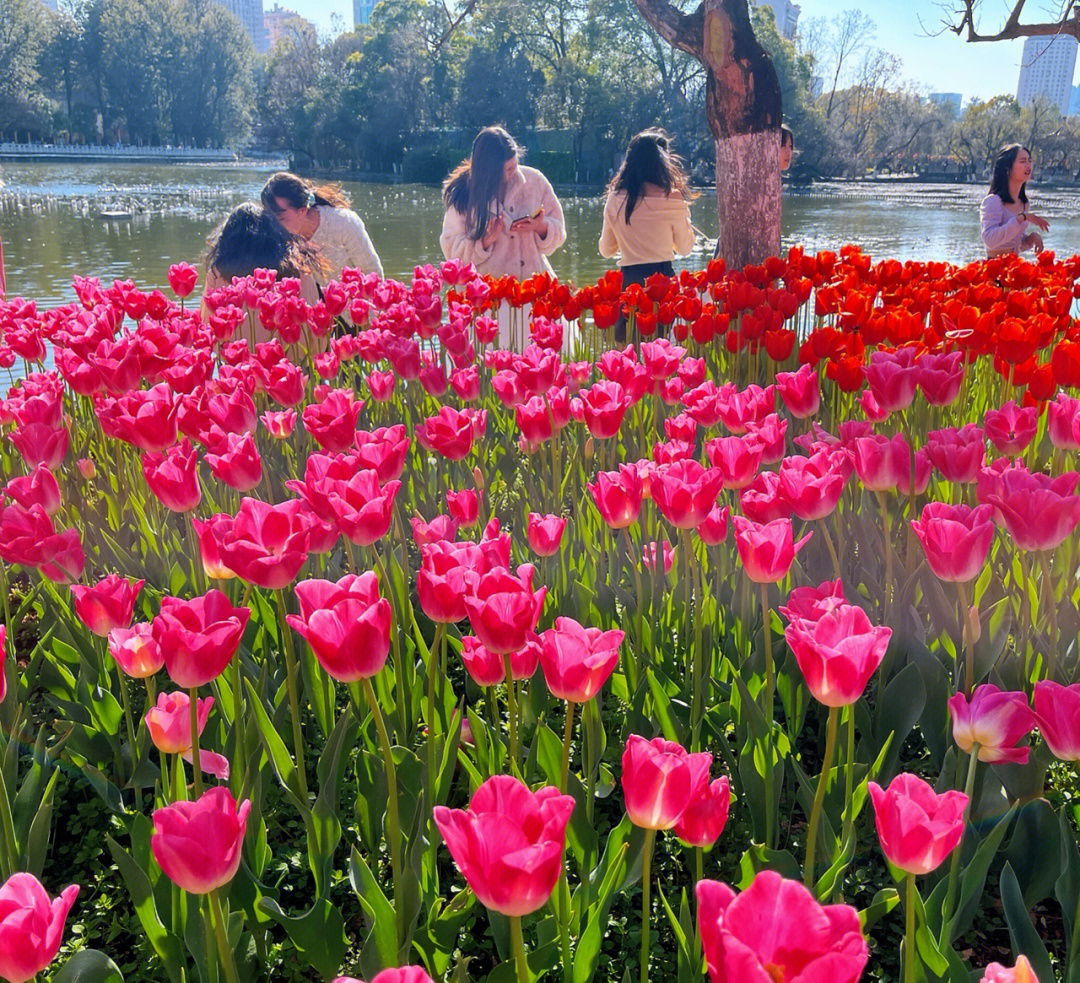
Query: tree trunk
742	106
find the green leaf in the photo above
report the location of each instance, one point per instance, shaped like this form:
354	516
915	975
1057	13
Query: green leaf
975	869
899	705
284	766
379	916
1067	886
1025	940
1034	850
318	934
89	966
759	857
884	902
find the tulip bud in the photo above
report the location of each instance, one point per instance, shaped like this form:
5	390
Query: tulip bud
87	468
478	478
589	449
973	631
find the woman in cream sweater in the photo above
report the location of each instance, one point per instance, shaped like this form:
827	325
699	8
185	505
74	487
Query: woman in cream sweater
502	217
647	213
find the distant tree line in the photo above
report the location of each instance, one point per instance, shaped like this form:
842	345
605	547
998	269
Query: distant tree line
407	91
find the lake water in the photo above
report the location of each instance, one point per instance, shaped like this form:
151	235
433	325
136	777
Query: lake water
51	223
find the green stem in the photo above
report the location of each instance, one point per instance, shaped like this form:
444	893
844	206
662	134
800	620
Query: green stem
519	949
699	864
770	690
965	636
568	733
196	765
238	722
849	788
696	707
887	543
217	916
909	933
401	698
125	698
9	860
1051	602
947	913
511	710
832	546
1074	941
294	699
819	797
646	864
392	821
433	664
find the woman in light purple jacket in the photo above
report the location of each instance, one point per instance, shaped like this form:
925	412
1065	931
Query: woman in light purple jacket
1004	214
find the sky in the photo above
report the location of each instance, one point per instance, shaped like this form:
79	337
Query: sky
938	62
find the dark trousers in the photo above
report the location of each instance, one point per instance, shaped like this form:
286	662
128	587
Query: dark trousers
639	273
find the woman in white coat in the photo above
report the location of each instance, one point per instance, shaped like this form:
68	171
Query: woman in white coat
504	218
1003	214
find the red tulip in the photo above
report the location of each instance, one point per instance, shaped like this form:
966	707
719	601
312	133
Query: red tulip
957	453
837	653
182	279
509	843
704	819
776	932
136	651
488	668
31	926
767	551
917	827
545	533
1011	428
956	538
577	661
199	844
144	418
994	720
37	488
660	780
199	637
1057	713
800	391
503	608
362	508
107	605
347	625
617	495
451	433
685	492
173	476
812	485
382	450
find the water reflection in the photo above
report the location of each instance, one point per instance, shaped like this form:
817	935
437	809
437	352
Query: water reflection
52	225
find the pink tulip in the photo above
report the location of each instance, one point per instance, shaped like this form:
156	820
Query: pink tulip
838	653
198	844
545	533
108	604
37	488
1063	422
956	539
741	408
1057	713
604	406
503	608
704	818
402	974
892	378
173	476
772	432
881	461
577	661
810	603
266	545
994	720
280	424
488	668
939	376
199	637
713	531
208	534
767	551
1011	428
169	725
957	453
800	391
660	780
31	926
917	827
685	492
762	501
776	932
618	495
464	507
813	485
442	528
509	843
1039	511
136	651
651	552
1020	973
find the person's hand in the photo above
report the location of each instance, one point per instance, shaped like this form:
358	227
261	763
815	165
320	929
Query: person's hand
495	229
1038	221
536	223
1035	241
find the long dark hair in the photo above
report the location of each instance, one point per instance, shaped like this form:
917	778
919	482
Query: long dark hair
649	160
999	180
476	181
251	239
301	193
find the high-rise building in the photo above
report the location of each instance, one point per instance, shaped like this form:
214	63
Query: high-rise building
1046	70
362	10
785	12
950	101
250	14
276	22
1074	102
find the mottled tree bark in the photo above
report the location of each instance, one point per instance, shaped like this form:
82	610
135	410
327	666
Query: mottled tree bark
742	106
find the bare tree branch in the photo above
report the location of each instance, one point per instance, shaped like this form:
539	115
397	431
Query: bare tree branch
683	31
963	22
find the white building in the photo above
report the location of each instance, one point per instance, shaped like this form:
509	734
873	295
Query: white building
1046	70
785	12
950	101
250	14
362	11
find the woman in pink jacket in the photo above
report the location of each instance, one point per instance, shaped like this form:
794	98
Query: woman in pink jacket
503	218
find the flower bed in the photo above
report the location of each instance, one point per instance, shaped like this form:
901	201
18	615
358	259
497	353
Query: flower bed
434	639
